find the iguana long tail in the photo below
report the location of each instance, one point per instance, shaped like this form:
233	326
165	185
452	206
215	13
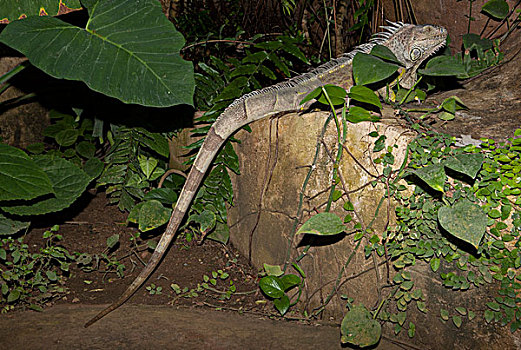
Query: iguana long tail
192	183
411	45
251	107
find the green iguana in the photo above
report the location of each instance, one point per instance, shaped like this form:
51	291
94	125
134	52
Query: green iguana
411	44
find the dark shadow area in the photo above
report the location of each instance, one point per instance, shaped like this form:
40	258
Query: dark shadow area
61	94
319	241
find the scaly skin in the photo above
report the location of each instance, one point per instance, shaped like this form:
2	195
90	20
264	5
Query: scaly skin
411	44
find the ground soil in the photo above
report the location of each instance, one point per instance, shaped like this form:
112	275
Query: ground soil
244	321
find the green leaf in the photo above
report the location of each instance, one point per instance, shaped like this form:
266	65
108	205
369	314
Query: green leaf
128	50
468	164
282	304
412	330
446	116
461	310
93	168
457	320
35	307
86	149
290	281
441	66
494	214
348	206
273	270
365	95
233	90
407	285
433	175
67	137
359	328
473	41
489	315
368	69
435	264
444	314
493	305
12	10
322	224
9	226
335	93
292	49
147	165
68	181
20	177
36	148
312	95
245	69
421	306
384	53
51	275
149	215
206	220
497	9
164	195
272	286
358	114
464	220
14	295
220	234
112	241
452	104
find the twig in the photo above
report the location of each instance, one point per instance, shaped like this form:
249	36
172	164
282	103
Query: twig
168	173
358	162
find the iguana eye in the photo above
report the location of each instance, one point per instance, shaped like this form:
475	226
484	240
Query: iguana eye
415	54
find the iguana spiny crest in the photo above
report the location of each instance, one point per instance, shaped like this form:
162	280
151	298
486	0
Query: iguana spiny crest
411	44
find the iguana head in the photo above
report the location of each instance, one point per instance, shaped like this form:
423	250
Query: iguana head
412	44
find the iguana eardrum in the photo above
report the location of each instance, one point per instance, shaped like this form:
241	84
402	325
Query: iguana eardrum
411	44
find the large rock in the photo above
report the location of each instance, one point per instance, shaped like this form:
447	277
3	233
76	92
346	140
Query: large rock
275	160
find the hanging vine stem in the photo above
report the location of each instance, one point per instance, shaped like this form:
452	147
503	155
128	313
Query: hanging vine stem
341	140
360	220
301	196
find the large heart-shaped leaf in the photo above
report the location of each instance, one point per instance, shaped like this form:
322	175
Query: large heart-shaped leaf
322	224
68	181
221	233
365	95
20	177
384	53
497	9
441	66
433	175
282	304
149	215
128	50
13	10
359	328
464	220
272	286
369	69
468	164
